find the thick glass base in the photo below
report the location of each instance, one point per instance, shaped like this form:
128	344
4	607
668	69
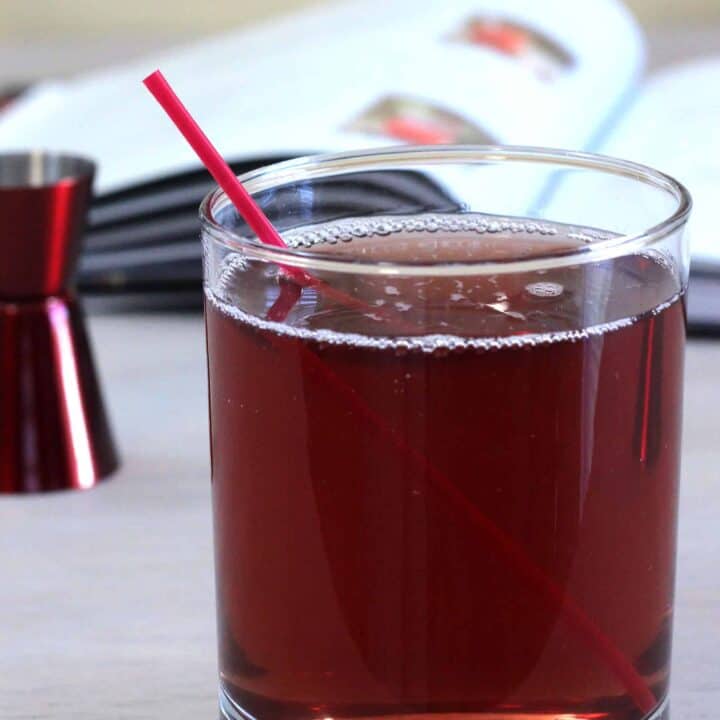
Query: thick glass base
230	710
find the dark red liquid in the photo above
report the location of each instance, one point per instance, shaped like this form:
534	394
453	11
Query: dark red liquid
488	532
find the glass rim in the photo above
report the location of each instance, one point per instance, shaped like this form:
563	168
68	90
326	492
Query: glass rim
328	165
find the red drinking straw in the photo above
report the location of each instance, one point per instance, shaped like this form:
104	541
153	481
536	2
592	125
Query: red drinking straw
505	545
240	198
212	160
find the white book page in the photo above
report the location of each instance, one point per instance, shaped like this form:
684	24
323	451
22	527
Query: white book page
359	74
674	126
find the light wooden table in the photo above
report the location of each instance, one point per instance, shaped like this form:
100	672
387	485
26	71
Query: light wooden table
106	599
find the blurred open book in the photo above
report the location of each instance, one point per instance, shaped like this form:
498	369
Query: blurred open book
371	73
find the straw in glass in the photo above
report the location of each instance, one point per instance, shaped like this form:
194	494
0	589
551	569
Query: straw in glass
291	290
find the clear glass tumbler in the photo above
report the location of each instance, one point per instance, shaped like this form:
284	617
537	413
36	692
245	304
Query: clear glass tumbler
445	430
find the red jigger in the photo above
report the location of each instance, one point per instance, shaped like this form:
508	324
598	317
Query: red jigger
54	433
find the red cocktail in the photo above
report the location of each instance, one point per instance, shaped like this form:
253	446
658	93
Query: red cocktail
457	496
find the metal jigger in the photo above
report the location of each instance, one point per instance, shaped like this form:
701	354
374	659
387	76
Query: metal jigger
54	433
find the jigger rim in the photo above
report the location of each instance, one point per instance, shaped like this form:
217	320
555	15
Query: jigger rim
36	169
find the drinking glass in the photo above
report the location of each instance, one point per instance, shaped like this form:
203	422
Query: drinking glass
445	435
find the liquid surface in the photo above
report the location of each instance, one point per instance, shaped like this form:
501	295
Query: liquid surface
457	496
463	310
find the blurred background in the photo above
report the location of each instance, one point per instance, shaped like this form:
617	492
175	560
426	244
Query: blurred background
40	36
645	95
107	596
43	18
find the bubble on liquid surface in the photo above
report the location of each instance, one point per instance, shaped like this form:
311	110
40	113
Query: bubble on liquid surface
497	300
354	228
438	345
545	289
